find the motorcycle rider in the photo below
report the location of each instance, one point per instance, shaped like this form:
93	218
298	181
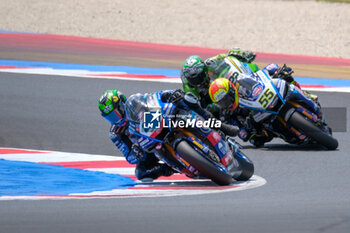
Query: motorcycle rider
197	74
225	94
112	105
285	73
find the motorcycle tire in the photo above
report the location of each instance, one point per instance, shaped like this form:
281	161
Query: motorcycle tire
246	165
205	168
309	129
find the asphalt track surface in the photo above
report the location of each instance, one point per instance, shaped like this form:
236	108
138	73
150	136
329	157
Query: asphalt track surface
307	188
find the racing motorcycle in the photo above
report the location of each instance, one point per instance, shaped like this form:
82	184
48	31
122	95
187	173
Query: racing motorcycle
231	68
193	149
283	109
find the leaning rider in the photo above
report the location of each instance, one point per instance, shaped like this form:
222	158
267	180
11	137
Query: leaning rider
112	107
225	94
197	74
285	73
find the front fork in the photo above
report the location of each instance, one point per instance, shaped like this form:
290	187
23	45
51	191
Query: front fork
298	94
166	153
228	163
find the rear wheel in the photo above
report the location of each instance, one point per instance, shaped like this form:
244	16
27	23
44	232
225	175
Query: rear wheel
205	167
309	129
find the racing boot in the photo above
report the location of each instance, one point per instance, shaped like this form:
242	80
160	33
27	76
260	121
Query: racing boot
308	94
299	94
148	173
311	96
258	140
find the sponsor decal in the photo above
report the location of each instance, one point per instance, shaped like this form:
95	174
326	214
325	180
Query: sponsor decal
115	98
220	95
243	134
257	91
214	138
227	159
222	147
199	144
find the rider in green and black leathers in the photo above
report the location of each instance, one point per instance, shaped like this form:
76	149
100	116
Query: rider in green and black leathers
197	74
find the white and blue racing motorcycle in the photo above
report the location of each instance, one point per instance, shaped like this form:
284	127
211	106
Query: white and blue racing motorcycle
283	109
193	149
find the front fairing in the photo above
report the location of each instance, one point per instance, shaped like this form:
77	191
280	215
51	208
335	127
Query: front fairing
229	68
139	106
215	150
249	88
261	94
222	157
147	115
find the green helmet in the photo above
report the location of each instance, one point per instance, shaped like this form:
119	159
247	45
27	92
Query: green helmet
194	71
112	106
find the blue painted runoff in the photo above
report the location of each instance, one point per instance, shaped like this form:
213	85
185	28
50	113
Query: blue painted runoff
323	81
19	178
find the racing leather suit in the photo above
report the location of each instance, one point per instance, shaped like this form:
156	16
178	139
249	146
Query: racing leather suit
215	70
147	165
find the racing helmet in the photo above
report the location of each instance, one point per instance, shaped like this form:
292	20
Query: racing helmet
224	93
112	107
194	71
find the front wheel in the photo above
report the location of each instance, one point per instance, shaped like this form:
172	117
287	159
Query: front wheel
205	168
299	122
247	166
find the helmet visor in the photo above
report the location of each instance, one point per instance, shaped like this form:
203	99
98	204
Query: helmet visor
226	102
198	79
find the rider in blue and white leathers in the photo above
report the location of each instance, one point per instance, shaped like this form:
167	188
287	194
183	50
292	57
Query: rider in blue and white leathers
117	110
112	105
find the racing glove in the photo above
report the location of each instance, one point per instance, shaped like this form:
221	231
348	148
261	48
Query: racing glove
284	73
137	151
242	55
230	130
174	97
214	109
192	101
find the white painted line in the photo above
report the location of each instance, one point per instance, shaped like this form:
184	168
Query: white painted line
58	157
94	75
157	188
254	182
87	74
121	170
